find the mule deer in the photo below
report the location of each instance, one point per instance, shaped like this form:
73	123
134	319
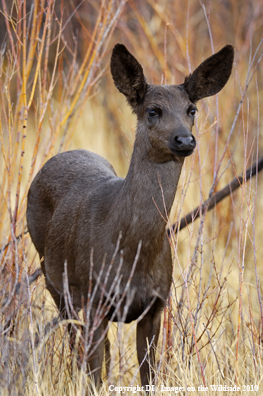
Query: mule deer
77	206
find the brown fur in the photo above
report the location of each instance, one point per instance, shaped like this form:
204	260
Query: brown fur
77	204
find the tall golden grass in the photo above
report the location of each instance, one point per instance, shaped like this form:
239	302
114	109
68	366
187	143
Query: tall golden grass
57	94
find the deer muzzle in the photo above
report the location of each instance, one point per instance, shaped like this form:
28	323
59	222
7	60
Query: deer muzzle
183	145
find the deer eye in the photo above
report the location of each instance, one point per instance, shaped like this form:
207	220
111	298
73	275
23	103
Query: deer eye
192	111
153	113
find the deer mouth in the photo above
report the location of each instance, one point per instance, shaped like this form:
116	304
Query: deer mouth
182	153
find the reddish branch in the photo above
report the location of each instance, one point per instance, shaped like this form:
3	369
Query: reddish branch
211	202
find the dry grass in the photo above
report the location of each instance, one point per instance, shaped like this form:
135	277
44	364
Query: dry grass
56	93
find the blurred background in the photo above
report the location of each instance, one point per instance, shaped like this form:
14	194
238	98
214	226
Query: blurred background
56	94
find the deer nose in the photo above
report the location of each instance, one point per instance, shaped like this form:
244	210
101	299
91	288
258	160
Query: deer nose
182	143
185	143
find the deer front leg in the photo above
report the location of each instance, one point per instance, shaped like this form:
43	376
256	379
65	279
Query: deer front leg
96	351
148	330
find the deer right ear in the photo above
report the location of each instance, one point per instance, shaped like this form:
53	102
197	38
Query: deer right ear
211	76
128	75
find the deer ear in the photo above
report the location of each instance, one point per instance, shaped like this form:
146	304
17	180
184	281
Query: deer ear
211	76
128	75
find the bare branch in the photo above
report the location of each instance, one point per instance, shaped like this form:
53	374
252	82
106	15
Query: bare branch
211	202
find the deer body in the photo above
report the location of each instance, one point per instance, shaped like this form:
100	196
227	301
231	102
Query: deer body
77	206
103	206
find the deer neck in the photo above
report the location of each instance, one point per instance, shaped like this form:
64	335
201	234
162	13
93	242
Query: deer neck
149	189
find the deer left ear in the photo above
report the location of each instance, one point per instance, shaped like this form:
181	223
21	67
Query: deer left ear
128	75
211	75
